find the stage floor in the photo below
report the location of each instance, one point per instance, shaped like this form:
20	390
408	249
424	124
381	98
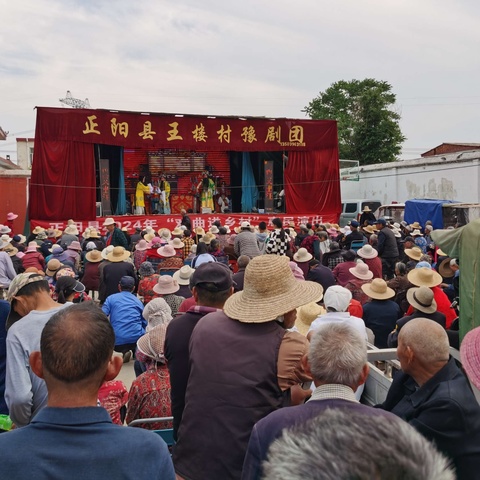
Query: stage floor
204	220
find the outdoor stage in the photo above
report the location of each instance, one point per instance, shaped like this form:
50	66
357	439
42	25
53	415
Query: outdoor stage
198	220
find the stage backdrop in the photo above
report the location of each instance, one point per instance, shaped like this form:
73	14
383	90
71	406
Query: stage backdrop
63	170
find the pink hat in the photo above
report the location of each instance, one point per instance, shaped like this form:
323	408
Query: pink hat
11	216
32	247
470	355
141	245
166	251
361	271
75	246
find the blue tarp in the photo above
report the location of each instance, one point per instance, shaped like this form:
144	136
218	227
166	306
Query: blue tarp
423	209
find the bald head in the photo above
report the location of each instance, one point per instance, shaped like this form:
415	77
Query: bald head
427	339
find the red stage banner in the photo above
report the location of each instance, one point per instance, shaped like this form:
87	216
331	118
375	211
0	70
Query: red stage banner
204	221
173	131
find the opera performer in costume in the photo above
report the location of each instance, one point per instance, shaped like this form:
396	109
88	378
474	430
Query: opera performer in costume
164	195
140	192
155	196
207	190
224	203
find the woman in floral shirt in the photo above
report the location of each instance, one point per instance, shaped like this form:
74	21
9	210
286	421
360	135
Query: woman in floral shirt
148	279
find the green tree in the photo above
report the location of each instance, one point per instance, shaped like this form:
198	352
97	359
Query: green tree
368	128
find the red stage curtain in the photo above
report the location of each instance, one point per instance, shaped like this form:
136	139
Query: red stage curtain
312	182
63	181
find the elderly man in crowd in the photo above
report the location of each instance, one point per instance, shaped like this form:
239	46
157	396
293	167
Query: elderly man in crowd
72	437
117	267
246	242
433	395
31	308
342	445
211	285
114	235
337	360
243	362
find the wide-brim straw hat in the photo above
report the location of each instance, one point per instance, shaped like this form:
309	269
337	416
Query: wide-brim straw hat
208	237
94	256
424	277
422	299
270	290
417	233
142	245
12	251
302	255
367	251
183	275
53	266
444	268
165	285
165	233
118	254
109	221
3	244
415	225
306	314
23	238
397	233
378	289
361	271
37	230
176	243
366	208
6	238
369	229
177	231
441	253
415	253
470	355
213	229
149	237
166	251
200	231
106	251
71	230
93	233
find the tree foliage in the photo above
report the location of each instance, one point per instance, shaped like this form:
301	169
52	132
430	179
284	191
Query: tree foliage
368	128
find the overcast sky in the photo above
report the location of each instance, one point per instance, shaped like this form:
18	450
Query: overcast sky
245	57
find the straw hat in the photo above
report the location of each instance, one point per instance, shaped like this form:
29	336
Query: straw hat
397	233
415	225
441	253
152	344
106	251
165	233
149	237
422	299
177	231
42	236
93	233
141	245
208	237
444	268
306	314
5	238
227	228
118	254
213	229
470	355
108	221
166	251
200	231
21	238
424	277
366	209
165	285
150	229
369	229
415	253
302	255
378	289
94	256
270	290
183	275
125	229
75	246
12	251
417	233
367	251
71	230
361	271
32	247
176	243
37	230
53	266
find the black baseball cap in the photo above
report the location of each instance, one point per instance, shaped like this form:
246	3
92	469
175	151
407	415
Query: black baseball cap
212	276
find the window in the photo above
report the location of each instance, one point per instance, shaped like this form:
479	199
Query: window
30	157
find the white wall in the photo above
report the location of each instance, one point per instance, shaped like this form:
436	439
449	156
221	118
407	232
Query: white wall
447	177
